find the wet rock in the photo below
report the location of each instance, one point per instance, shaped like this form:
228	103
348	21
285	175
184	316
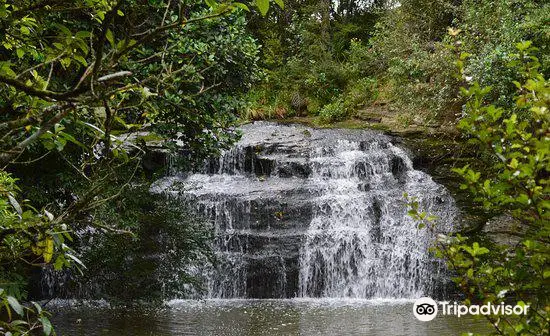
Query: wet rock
299	211
504	230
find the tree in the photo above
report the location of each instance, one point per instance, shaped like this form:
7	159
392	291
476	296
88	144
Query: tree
514	181
76	78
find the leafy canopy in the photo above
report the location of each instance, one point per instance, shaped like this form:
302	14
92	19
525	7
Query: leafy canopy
515	182
76	79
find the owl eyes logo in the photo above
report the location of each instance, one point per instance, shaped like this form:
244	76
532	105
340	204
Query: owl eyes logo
425	309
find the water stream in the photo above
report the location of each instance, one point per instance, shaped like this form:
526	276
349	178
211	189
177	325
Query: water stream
301	212
312	237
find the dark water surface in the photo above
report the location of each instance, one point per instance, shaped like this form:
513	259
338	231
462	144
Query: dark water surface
262	317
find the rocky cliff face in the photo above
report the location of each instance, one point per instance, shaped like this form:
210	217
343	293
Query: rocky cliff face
302	212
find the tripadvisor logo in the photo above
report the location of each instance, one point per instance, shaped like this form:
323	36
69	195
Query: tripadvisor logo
426	309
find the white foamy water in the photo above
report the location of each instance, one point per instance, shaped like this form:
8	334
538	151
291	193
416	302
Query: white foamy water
301	213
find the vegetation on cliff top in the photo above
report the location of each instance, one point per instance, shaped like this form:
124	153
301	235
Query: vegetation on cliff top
513	181
388	62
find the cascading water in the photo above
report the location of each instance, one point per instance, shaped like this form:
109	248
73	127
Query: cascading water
361	242
301	212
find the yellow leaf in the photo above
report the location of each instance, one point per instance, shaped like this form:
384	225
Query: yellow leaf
48	251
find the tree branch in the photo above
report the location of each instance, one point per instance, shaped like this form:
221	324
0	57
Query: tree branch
14	124
6	157
101	41
155	31
46	94
25	11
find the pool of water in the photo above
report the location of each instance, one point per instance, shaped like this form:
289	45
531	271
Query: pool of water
260	317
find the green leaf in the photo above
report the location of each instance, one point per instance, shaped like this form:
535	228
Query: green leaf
280	3
70	138
523	45
78	261
83	34
15	204
63	29
241	6
211	3
46	325
81	60
110	37
38	307
263	6
59	46
18	323
59	263
15	305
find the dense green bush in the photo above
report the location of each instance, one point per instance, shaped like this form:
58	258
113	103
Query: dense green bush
316	76
413	52
153	262
413	60
322	58
513	182
75	79
360	93
334	111
490	29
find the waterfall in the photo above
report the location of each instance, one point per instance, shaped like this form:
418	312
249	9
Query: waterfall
361	242
301	212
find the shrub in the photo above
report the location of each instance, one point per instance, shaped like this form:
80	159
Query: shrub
411	57
513	182
361	93
334	111
490	29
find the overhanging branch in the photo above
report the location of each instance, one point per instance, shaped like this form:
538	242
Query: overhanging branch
8	156
155	31
46	94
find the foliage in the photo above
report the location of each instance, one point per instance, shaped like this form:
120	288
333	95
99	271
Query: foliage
360	93
23	319
490	29
152	262
320	79
334	111
36	239
413	51
217	67
412	57
321	49
30	236
76	78
515	182
315	51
